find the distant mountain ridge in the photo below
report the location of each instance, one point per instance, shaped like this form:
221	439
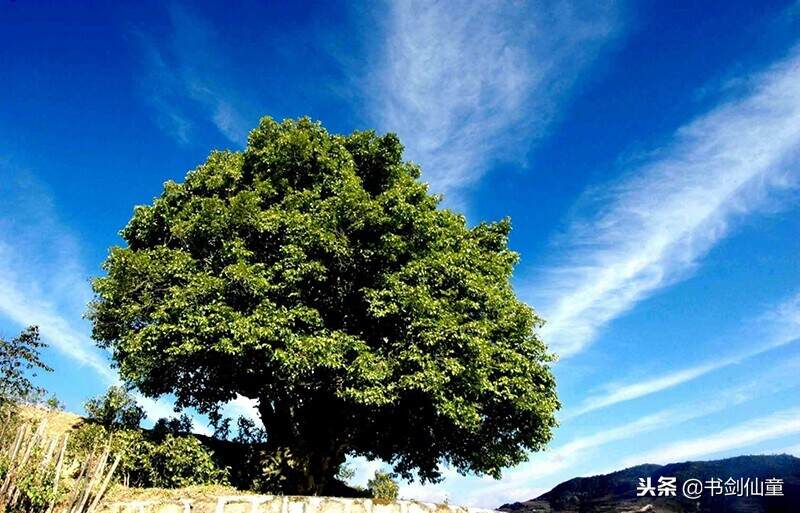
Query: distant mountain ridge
617	492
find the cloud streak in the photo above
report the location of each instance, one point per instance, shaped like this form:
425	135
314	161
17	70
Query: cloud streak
43	282
181	80
794	450
464	91
24	310
782	325
780	424
516	485
652	228
40	273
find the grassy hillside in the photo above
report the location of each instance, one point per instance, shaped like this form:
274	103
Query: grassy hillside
87	440
239	460
58	422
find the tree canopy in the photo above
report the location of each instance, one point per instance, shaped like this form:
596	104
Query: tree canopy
19	361
115	409
315	274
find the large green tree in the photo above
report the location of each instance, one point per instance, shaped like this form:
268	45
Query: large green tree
316	274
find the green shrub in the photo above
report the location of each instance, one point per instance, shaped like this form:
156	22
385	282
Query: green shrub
3	466
116	409
19	361
172	426
86	437
150	460
135	451
136	457
248	433
181	461
36	490
54	404
34	482
9	423
382	486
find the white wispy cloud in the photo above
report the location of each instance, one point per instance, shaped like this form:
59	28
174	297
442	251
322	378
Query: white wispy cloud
184	79
17	304
40	271
43	281
518	483
627	392
463	91
523	482
778	327
775	379
780	424
424	493
652	228
794	450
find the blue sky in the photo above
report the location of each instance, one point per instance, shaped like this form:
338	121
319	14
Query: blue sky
646	152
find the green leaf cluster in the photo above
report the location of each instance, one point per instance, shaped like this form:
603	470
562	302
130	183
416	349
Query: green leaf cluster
19	362
34	481
116	409
382	486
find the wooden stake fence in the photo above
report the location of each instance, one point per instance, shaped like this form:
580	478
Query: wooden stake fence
29	454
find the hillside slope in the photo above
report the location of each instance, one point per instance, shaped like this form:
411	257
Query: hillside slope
616	492
239	458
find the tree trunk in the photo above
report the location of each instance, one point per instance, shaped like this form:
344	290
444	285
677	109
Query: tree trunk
314	453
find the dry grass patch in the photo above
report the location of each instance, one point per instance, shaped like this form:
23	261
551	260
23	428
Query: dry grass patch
120	493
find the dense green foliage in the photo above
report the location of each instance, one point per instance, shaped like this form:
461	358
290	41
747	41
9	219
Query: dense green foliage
19	361
164	457
152	459
116	409
182	461
382	486
36	489
314	273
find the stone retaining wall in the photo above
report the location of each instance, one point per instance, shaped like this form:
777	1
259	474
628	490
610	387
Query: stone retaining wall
282	504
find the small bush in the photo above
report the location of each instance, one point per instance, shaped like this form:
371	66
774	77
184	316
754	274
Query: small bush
136	457
172	426
34	482
248	432
19	361
382	486
86	437
36	490
181	461
54	404
116	409
148	460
